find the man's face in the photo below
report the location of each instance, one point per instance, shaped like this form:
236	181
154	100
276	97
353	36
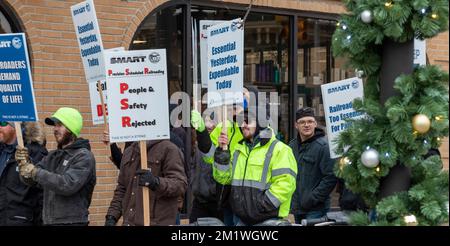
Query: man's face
305	126
210	124
7	134
62	135
248	128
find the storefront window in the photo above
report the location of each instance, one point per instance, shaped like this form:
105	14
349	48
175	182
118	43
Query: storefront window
5	25
316	64
266	51
164	30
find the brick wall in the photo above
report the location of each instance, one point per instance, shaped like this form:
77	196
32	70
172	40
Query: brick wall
59	77
437	52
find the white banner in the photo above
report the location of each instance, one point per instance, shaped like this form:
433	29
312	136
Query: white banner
96	104
204	24
337	102
225	63
89	40
138	102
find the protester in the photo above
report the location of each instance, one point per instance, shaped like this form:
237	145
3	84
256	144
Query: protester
315	178
261	172
208	142
167	182
20	204
67	174
202	183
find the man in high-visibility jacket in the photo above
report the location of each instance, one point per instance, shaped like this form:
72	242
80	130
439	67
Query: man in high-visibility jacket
262	172
207	144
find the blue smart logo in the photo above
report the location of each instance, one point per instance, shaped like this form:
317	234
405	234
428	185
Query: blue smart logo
17	43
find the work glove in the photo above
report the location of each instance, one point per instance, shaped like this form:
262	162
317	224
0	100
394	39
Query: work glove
27	170
146	178
222	157
197	121
110	220
22	155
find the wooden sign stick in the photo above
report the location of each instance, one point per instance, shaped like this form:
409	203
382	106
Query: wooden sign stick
145	190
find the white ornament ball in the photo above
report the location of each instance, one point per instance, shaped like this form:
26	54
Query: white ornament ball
366	16
370	158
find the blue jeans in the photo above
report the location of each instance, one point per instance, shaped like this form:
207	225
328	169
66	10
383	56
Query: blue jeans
229	219
310	215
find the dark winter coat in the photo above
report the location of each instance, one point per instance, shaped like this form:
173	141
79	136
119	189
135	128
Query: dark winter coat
166	162
315	177
202	181
21	204
67	177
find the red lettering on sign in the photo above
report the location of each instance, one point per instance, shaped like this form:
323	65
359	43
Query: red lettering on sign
126	121
124	103
123	87
127	71
100	111
146	70
109	72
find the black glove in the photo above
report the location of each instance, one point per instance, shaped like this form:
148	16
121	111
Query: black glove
146	178
110	220
221	156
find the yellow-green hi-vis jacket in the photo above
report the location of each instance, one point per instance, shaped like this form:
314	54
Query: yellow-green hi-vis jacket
234	137
262	178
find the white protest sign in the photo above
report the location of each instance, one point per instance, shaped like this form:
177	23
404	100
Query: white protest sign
337	102
138	102
420	52
89	40
225	63
96	106
204	24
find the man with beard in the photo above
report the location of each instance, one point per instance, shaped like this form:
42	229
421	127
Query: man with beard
261	172
67	174
20	205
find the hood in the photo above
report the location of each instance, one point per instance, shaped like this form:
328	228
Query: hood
33	132
318	133
79	144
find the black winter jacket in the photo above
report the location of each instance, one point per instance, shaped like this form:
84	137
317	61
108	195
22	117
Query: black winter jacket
315	177
67	177
20	204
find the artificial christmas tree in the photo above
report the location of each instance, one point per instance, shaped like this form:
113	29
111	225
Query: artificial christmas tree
387	155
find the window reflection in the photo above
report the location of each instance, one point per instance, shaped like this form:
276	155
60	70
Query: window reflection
164	30
5	26
266	51
316	64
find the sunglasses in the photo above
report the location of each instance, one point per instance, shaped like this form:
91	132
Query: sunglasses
5	123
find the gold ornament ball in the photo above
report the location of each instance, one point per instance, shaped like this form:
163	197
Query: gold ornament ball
421	123
343	162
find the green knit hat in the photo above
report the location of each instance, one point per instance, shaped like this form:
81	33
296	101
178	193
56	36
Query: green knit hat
69	117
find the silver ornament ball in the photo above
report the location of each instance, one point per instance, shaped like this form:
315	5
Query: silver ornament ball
370	158
366	16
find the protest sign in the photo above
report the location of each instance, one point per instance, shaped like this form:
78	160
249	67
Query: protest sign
204	24
89	40
94	94
225	63
337	102
16	85
137	95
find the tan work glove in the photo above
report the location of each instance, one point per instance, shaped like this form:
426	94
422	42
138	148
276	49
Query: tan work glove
22	155
27	171
26	168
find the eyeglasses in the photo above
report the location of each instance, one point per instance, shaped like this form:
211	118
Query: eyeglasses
4	123
306	122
